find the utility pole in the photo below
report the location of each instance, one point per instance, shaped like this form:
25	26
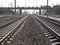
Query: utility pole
25	6
47	7
36	9
15	5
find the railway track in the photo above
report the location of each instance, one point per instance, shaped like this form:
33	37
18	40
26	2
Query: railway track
8	20
30	34
52	21
51	29
7	31
32	29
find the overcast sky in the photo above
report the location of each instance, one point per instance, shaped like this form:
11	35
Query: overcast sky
23	3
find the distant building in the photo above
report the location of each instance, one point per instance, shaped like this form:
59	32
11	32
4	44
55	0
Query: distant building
57	9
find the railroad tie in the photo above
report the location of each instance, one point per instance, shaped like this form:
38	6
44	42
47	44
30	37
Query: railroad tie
56	43
53	40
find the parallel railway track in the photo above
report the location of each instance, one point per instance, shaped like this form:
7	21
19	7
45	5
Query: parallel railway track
52	21
10	32
51	33
8	20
